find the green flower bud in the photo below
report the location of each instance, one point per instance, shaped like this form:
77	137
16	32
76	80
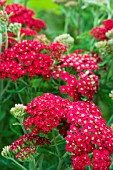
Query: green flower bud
3	17
18	111
6	152
14	28
65	39
3	22
104	47
111	94
109	34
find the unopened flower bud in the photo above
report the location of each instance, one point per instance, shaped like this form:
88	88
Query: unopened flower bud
104	47
109	34
65	39
6	152
111	94
3	22
3	17
14	28
18	110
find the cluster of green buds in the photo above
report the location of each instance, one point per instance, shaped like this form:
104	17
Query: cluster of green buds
65	39
109	34
18	111
111	94
6	152
3	22
14	28
105	47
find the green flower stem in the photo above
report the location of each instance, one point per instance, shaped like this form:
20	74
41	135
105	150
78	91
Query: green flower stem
6	45
21	121
41	161
109	8
18	37
67	20
18	164
65	155
25	3
32	164
58	152
0	42
55	138
59	164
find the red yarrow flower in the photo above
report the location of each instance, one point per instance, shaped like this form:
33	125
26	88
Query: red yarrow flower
99	33
101	159
2	3
24	16
88	131
25	146
108	24
46	112
79	61
25	57
80	162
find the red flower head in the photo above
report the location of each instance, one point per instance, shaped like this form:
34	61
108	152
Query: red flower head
99	33
25	146
25	57
46	112
2	3
108	24
88	131
79	62
24	16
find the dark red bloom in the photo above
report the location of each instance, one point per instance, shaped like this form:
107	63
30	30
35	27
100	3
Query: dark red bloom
108	24
28	32
99	33
46	112
101	159
25	57
79	62
24	16
25	146
88	131
2	3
